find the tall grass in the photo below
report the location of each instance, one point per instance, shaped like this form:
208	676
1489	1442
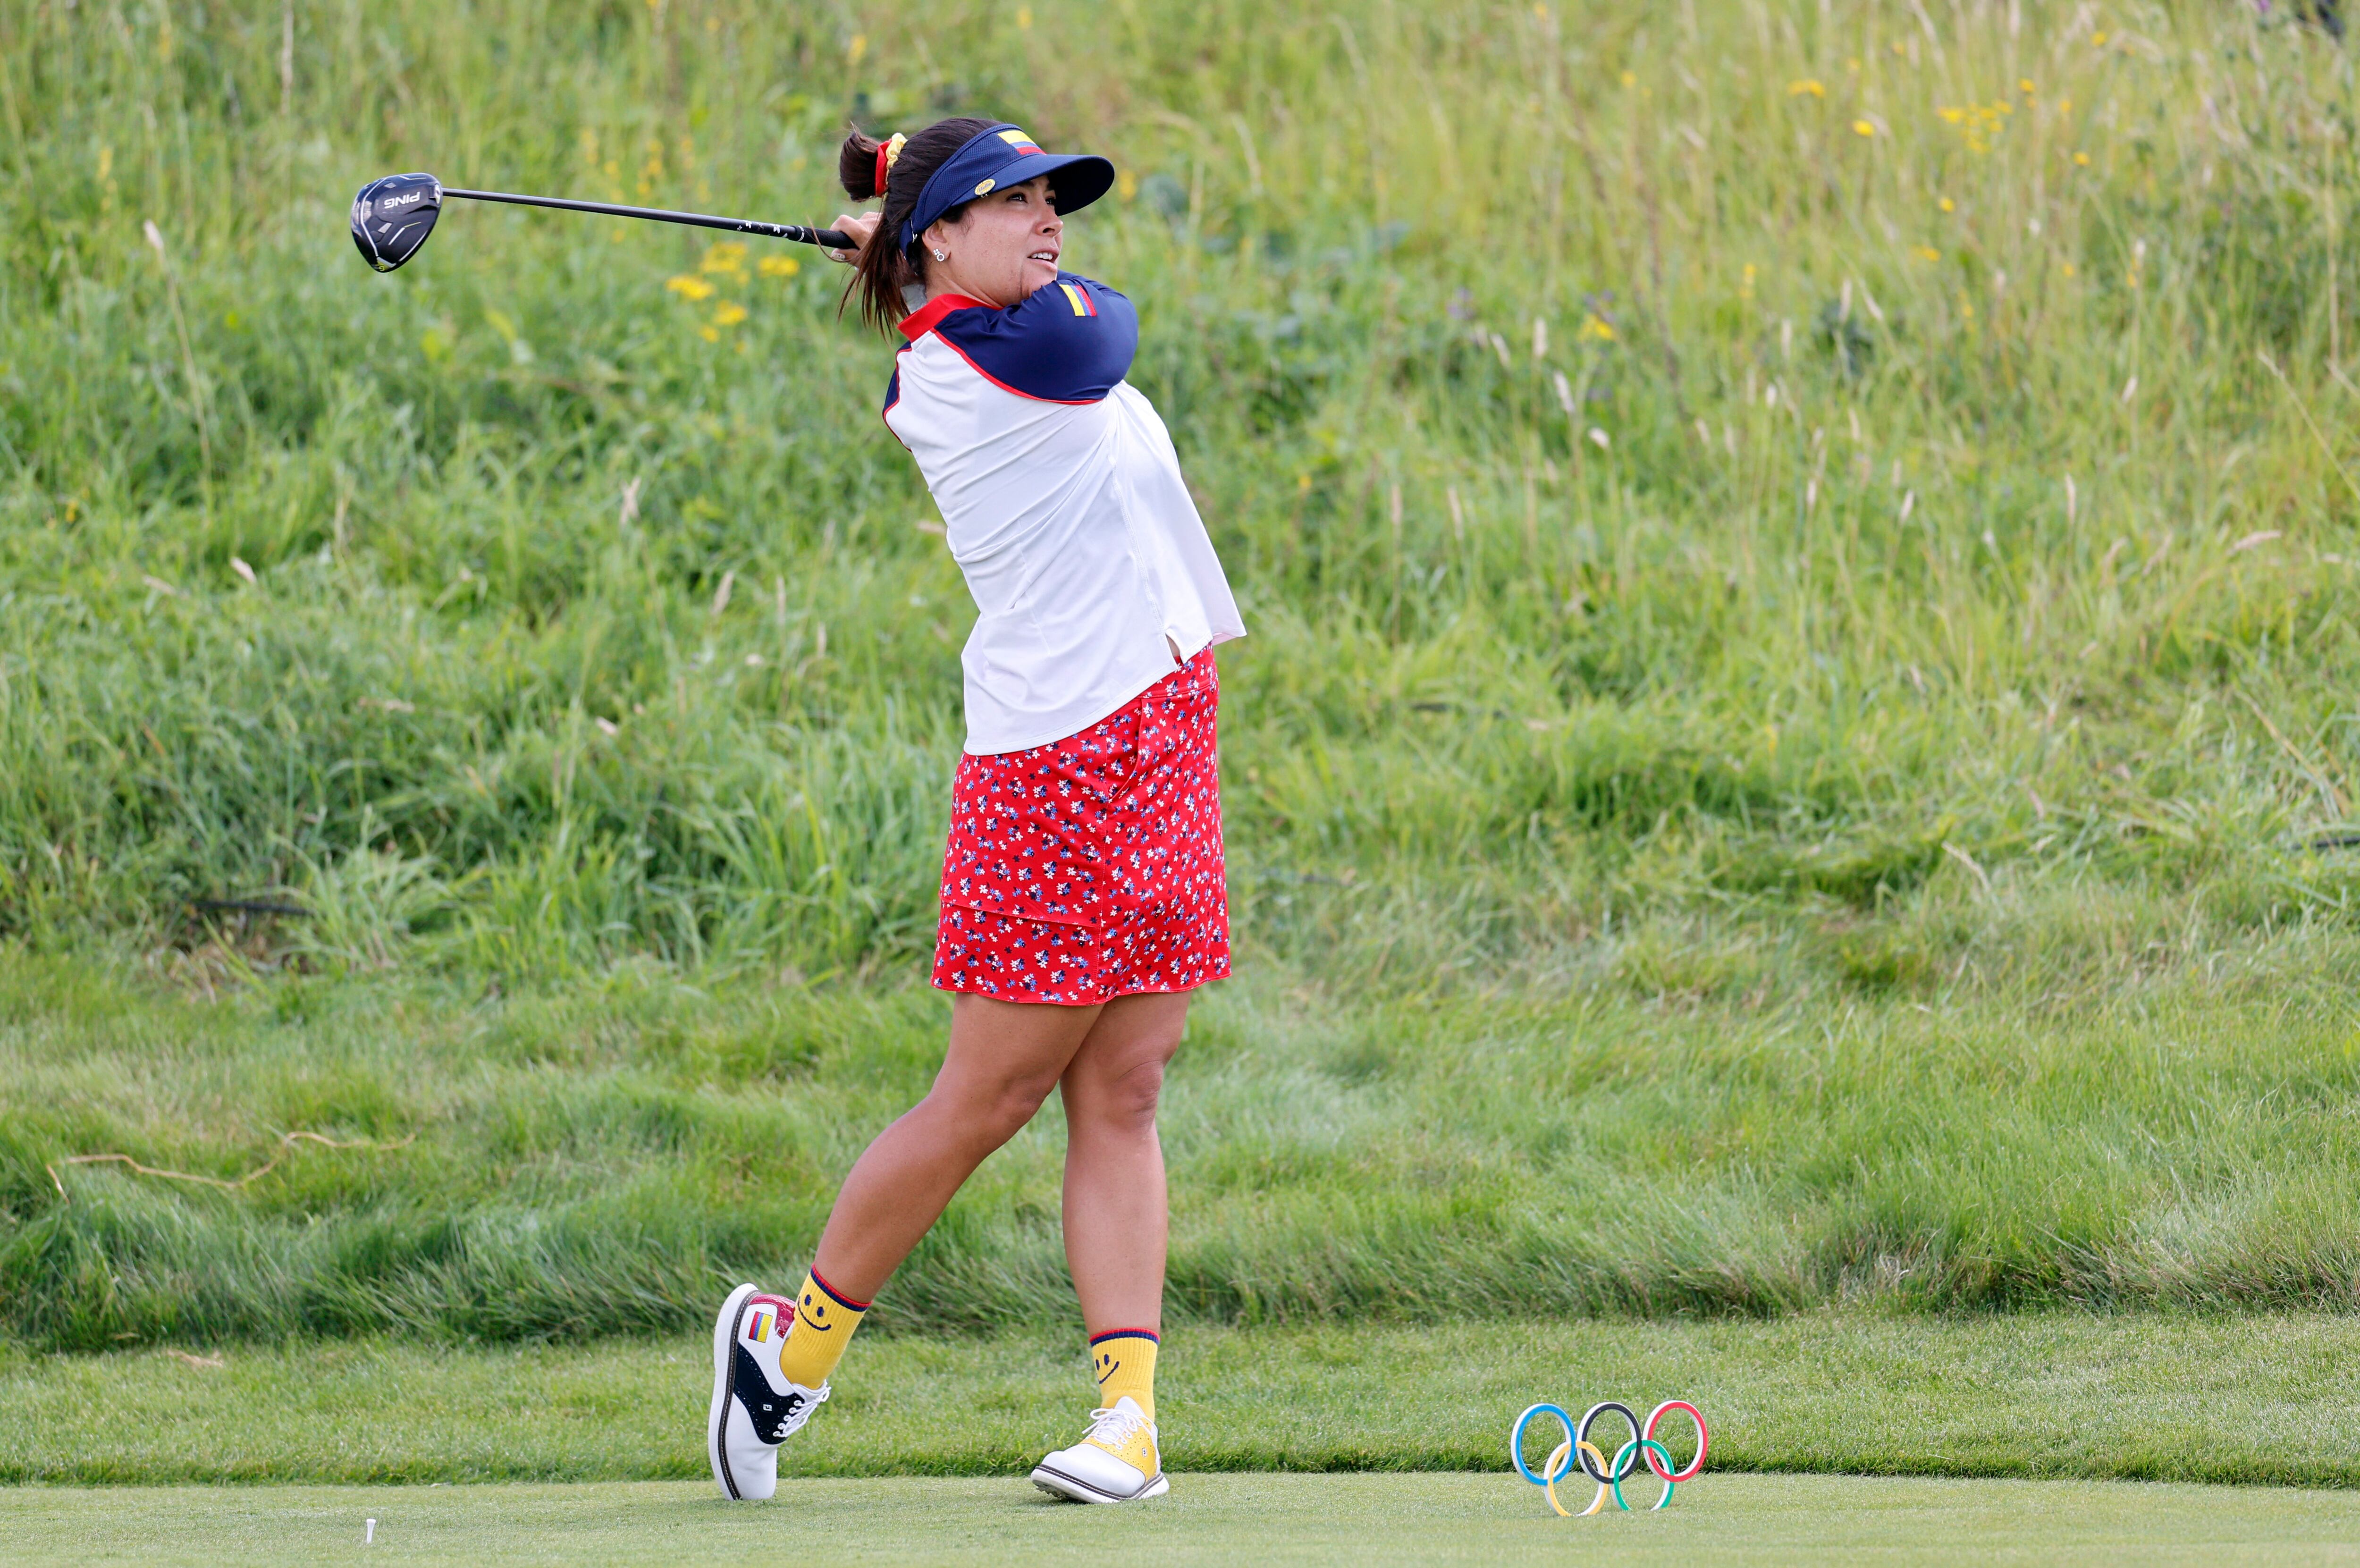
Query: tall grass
1929	387
1780	509
604	1161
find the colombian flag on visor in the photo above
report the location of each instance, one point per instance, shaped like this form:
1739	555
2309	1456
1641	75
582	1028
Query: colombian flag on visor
1019	141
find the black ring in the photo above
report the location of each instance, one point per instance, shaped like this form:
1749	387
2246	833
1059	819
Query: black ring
1581	1435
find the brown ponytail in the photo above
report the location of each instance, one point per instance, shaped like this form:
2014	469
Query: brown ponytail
884	271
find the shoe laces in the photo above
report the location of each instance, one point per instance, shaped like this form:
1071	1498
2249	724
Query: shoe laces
1114	1427
811	1400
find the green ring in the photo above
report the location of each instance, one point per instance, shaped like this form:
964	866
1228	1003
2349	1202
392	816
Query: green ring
1616	1470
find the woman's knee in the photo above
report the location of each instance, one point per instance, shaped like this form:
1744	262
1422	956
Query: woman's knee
1124	1099
984	1116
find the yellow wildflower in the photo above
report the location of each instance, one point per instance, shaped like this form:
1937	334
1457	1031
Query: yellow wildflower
1630	79
2097	41
2024	86
1126	184
727	258
708	333
1947	204
2082	159
1816	89
728	312
1951	116
778	267
2069	269
859	46
1862	128
689	287
1598	328
1745	286
1927	253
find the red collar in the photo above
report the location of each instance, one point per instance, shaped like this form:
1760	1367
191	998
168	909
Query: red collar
922	320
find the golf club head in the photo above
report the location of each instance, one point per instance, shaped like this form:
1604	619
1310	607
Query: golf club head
393	215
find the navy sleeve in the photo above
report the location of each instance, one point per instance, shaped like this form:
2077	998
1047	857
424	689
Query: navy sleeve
1068	343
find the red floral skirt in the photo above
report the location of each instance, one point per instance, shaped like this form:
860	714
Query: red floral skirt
1090	868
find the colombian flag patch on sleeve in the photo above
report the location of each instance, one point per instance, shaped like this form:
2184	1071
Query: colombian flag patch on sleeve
1080	298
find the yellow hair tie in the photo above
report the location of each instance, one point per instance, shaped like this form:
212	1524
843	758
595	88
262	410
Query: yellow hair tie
893	149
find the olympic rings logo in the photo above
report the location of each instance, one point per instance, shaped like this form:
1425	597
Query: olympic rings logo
1576	1447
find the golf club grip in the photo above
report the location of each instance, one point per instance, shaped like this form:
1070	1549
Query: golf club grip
802	235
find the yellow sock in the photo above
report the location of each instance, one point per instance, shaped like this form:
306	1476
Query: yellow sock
1123	1361
824	1320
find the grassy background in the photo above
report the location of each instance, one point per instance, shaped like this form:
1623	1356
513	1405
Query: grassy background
605	1159
2266	1398
1792	747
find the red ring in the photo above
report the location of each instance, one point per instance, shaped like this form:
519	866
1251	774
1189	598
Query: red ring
1704	1440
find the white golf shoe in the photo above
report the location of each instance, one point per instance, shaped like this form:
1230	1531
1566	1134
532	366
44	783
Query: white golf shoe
754	1409
1116	1462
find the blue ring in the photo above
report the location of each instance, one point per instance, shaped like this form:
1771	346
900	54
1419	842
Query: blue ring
1517	1445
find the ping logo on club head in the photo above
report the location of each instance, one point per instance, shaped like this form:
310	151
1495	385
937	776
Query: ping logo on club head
385	201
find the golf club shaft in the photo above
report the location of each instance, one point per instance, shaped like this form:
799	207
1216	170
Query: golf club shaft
798	233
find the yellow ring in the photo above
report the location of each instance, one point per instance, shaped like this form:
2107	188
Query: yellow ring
1605	1489
1556	1458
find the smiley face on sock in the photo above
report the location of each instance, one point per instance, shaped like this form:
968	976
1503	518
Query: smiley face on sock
1107	1364
814	1313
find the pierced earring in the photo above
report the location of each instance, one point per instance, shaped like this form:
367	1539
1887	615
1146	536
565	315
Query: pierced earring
942	256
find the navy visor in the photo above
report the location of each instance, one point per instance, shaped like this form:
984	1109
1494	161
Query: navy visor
1001	156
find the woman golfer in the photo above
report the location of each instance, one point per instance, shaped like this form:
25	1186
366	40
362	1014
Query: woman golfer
1082	893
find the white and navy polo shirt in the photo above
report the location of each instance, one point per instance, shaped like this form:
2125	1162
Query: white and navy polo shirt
1064	504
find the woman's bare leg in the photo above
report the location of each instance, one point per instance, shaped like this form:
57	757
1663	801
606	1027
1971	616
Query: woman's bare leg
1117	1224
1003	1060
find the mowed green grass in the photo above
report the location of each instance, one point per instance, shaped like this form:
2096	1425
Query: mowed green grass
2263	1399
1454	1519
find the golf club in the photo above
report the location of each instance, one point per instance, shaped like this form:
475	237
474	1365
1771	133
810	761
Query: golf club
393	215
